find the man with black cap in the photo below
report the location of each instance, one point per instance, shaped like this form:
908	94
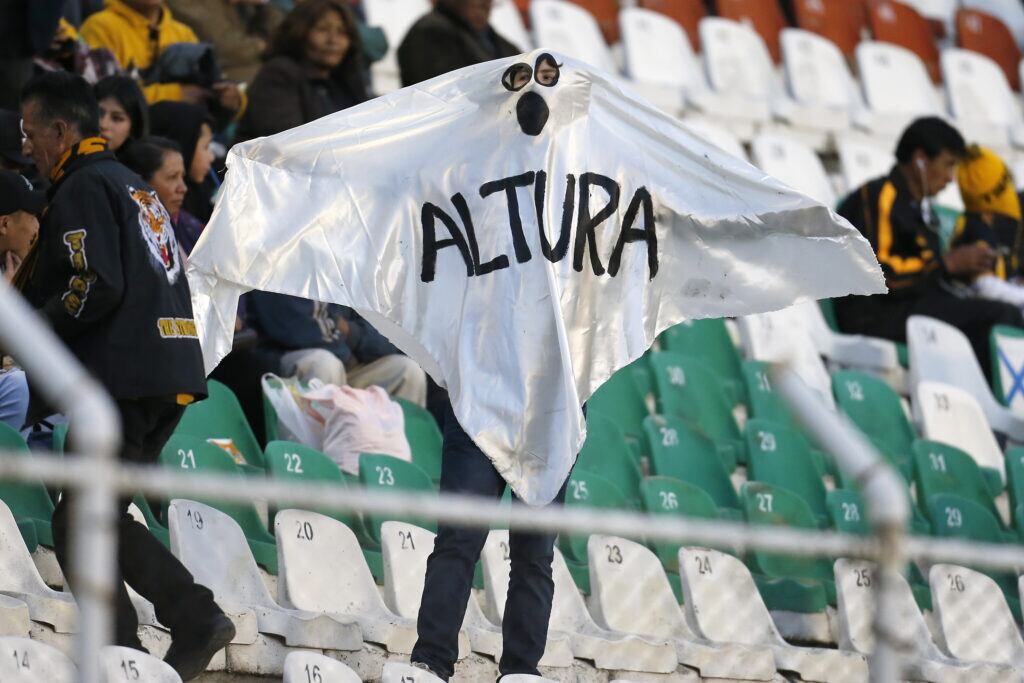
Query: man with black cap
106	274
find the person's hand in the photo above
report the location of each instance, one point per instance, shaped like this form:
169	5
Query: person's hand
229	95
238	324
973	259
343	327
193	94
11	264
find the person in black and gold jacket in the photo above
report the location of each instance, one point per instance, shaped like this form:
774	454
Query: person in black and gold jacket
894	214
105	273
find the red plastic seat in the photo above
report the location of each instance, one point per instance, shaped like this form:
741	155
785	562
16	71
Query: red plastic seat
687	13
900	24
985	34
607	14
764	16
841	21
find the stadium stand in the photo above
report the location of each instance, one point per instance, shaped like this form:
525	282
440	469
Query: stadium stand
303	667
27	660
899	23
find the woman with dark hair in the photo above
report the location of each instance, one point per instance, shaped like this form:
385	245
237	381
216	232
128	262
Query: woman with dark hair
123	111
314	67
190	127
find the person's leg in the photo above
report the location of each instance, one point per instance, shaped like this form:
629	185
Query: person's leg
449	578
13	398
974	317
400	376
307	364
530	592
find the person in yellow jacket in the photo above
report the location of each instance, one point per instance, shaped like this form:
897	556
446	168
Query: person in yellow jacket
137	31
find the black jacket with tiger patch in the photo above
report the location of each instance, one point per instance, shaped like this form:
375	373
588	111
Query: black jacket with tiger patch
107	275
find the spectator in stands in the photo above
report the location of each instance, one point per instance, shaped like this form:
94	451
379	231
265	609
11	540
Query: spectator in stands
894	214
106	276
314	68
139	33
27	28
191	128
159	162
12	156
124	113
452	35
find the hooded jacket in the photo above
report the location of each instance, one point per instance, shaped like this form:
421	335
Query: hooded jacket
106	274
182	123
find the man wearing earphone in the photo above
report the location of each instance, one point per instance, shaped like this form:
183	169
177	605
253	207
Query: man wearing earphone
894	213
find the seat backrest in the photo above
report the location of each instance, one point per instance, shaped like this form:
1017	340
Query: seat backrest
128	664
18	573
687	13
977	89
681	452
586	489
656	50
952	416
953	516
875	408
707	340
985	34
776	506
25	499
895	81
620	400
941	468
974	622
721	599
213	548
736	59
847	512
386	472
840	21
764	16
495	558
763	401
794	163
688	389
301	666
606	451
900	24
398	672
1009	12
861	160
670	496
606	14
220	416
716	135
424	437
405	549
1007	345
816	71
1015	476
571	29
507	21
778	456
29	661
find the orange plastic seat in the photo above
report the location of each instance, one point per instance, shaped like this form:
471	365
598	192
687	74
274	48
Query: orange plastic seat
687	13
900	24
764	16
987	35
841	21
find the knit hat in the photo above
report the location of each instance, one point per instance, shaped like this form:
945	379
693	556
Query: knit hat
986	183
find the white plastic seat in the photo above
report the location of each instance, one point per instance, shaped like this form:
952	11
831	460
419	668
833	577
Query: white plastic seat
896	88
396	672
1011	362
982	103
28	661
20	579
127	664
572	30
212	546
570	619
870	354
310	667
405	549
951	415
794	163
974	622
861	160
856	609
14	617
716	135
394	17
659	60
819	81
508	23
723	606
625	576
525	678
322	569
940	352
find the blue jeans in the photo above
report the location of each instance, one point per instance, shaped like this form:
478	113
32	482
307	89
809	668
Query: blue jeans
13	398
446	591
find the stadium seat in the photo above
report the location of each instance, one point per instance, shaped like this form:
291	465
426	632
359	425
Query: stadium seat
658	59
764	403
952	416
686	13
780	457
1015	477
974	623
20	579
985	34
687	388
606	14
708	340
681	452
861	160
220	416
776	506
900	24
405	548
29	502
842	22
311	667
588	490
508	23
856	599
607	451
670	496
127	664
29	661
897	89
983	105
397	672
1009	12
389	473
626	574
15	619
620	400
717	135
819	81
794	163
764	17
323	571
1007	371
876	410
941	468
723	606
194	455
213	548
572	30
394	17
425	439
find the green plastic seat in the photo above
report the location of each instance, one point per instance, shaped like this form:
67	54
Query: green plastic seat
156	527
679	451
688	389
622	401
424	438
774	505
30	503
60	436
269	413
956	517
709	341
1015	477
668	496
589	490
779	456
220	416
385	472
607	452
193	454
643	377
875	408
941	468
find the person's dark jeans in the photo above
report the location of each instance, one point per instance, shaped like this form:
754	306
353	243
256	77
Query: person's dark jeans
142	560
446	590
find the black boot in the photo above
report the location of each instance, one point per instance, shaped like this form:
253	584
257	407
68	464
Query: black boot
190	653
